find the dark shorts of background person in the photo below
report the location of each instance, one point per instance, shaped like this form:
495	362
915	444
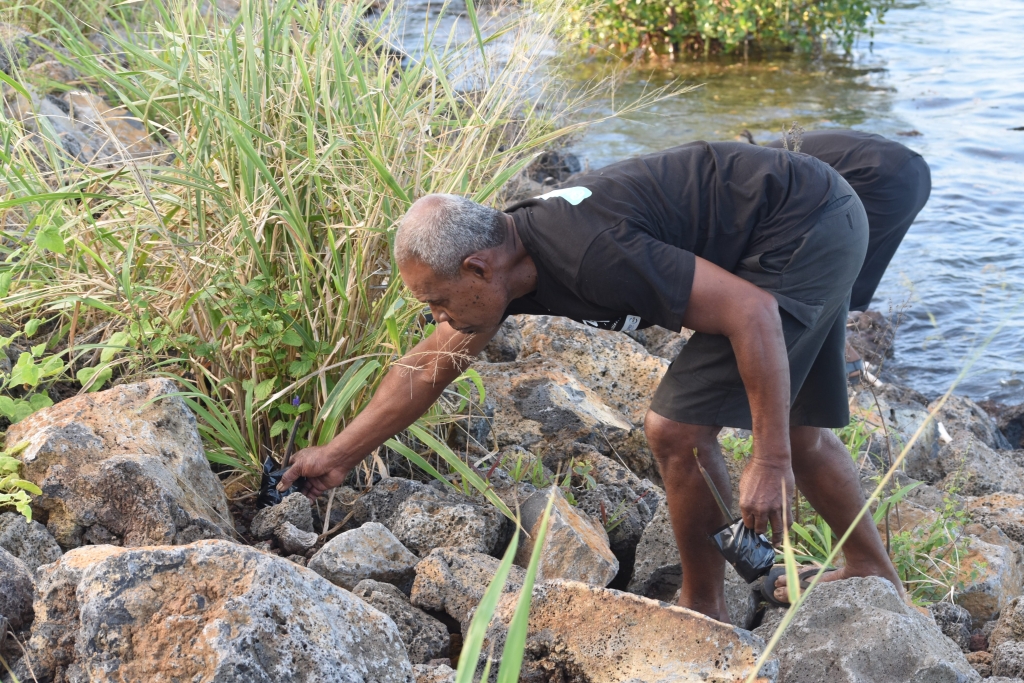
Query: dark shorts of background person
890	215
811	277
892	181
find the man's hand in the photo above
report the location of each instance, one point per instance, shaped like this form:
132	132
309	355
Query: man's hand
762	499
321	467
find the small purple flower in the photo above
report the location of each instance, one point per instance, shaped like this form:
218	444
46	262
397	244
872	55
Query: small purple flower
295	401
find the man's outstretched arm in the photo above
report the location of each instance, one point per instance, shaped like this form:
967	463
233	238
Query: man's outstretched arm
721	303
408	389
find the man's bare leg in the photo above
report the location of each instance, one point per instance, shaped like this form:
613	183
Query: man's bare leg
827	477
692	508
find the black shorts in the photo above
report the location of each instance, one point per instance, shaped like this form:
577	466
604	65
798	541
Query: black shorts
811	277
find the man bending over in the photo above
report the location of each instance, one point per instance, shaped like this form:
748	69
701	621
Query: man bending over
755	249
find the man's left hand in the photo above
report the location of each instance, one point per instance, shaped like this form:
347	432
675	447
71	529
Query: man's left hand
766	489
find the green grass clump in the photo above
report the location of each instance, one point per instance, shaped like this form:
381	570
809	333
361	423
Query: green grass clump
245	246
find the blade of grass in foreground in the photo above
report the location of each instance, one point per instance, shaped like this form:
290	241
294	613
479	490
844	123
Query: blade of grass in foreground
515	640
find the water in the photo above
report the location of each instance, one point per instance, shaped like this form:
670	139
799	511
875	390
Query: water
946	78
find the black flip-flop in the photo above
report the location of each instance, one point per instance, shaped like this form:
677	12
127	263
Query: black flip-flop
767	587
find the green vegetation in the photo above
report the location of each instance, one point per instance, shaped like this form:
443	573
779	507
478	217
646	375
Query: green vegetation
14	491
248	254
677	26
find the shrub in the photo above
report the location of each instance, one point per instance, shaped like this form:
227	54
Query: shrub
674	26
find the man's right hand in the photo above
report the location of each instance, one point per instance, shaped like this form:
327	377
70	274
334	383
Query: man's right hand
321	467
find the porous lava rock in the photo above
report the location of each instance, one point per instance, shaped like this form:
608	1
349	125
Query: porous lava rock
210	611
860	631
631	638
29	541
425	637
122	466
576	546
369	552
453	581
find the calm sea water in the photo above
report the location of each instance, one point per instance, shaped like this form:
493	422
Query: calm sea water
946	78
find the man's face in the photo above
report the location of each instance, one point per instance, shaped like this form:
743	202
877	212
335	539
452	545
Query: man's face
472	302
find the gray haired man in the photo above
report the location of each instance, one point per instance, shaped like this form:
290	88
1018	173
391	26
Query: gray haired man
755	249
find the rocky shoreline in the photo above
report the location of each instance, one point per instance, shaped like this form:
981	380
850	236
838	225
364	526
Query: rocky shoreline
138	566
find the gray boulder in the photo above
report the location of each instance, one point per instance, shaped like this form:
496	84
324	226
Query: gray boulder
212	611
122	466
1005	510
425	637
294	540
294	509
860	631
423	524
954	622
453	581
29	541
1008	659
433	673
424	517
15	591
369	552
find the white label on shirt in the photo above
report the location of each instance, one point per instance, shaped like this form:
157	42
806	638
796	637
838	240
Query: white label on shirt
573	195
632	322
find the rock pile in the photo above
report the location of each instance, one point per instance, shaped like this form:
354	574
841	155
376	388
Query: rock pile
135	569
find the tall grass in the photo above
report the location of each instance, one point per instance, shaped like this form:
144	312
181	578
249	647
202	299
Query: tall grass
250	256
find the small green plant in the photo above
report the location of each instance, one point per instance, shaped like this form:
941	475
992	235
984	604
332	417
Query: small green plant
14	491
929	557
855	435
26	375
738	447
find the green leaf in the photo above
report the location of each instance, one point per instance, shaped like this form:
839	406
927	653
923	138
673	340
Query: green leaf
15	409
278	427
9	465
51	366
49	238
291	338
471	647
515	640
39	401
32	326
85	375
25	371
264	389
5	283
113	345
38	350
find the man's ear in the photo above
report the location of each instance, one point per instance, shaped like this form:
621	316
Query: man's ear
478	266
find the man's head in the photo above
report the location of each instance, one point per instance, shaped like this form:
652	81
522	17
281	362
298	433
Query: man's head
447	249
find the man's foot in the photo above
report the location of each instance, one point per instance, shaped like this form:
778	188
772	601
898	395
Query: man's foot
716	609
781	593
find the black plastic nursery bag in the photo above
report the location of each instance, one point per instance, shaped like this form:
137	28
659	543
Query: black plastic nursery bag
749	552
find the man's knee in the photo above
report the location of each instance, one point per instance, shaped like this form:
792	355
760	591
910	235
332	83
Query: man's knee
670	440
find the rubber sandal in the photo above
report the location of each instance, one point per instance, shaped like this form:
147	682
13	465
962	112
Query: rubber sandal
767	587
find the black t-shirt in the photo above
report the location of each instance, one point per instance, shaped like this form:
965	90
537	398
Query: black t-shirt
867	161
617	250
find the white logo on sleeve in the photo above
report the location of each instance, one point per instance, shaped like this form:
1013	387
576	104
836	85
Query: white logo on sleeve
573	195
